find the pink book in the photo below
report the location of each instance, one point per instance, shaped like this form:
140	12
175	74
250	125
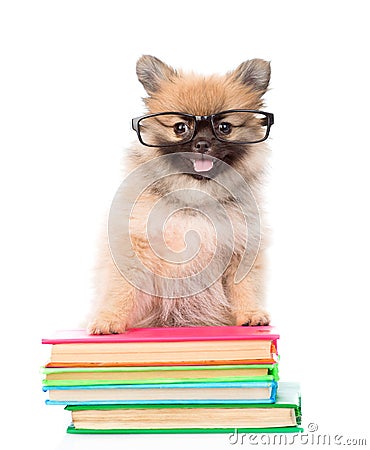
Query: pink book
166	335
183	346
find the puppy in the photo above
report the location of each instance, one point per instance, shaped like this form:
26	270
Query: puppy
185	245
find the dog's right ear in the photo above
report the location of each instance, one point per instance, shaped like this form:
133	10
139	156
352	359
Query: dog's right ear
151	71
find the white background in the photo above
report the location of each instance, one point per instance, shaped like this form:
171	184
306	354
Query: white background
68	92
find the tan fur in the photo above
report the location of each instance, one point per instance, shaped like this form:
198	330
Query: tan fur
118	304
218	94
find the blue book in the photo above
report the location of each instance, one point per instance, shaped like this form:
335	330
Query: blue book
178	393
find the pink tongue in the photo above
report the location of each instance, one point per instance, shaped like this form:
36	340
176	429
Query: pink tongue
202	165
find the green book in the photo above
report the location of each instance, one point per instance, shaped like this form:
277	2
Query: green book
72	430
95	376
284	416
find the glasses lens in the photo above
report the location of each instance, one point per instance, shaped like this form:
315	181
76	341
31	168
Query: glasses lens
240	126
166	129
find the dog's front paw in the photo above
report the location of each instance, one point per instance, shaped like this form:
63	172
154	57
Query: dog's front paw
258	317
103	324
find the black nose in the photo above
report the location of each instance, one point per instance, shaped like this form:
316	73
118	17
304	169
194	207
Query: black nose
202	146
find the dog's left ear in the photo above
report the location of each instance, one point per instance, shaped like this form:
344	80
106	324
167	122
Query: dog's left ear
151	72
254	73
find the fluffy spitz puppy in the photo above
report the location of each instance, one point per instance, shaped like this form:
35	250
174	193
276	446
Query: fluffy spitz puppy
200	149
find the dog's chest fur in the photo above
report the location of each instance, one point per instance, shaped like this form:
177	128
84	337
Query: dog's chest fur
177	241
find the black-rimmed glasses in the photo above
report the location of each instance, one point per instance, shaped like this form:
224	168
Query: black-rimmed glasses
236	126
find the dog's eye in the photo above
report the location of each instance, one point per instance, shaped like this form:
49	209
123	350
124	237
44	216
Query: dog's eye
181	128
224	128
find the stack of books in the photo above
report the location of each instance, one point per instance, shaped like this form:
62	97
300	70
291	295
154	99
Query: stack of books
171	380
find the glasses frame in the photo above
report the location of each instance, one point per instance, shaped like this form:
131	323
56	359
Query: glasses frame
135	123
